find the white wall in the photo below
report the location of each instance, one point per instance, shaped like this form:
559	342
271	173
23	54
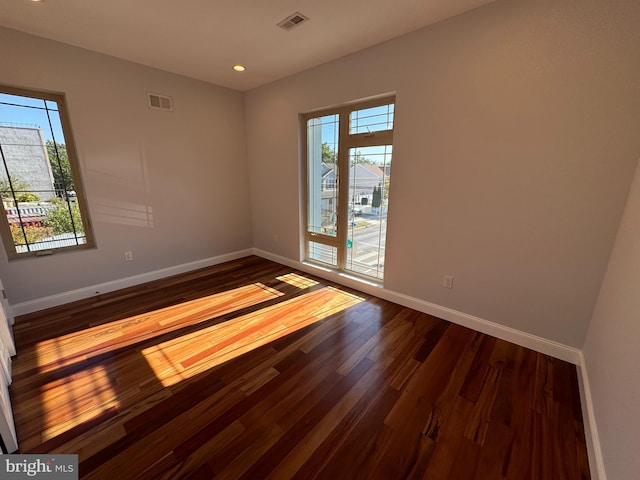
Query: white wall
171	187
516	139
611	351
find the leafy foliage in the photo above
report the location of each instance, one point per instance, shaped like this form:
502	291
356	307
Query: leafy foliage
20	187
376	199
27	197
34	234
358	158
61	221
328	155
60	166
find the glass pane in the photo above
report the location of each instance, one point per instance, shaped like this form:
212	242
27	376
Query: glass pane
51	105
16	111
7	98
369	178
372	119
322	168
36	184
323	253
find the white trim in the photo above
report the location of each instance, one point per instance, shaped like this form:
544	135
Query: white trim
533	342
594	449
7	423
90	291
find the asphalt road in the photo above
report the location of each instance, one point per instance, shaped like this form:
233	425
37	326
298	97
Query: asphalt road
368	245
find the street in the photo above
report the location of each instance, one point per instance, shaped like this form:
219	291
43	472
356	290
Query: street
366	255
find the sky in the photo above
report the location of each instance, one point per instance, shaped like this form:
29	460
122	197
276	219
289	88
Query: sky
363	121
31	112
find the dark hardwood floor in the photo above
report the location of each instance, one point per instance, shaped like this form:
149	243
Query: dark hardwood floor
252	370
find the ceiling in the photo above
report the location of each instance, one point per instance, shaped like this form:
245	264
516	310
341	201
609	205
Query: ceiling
203	39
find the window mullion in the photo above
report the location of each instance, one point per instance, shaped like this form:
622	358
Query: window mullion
15	202
352	251
53	223
343	187
369	140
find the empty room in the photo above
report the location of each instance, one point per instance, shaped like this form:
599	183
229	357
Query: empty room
297	239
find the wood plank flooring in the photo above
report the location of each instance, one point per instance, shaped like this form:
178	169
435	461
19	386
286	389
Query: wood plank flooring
252	370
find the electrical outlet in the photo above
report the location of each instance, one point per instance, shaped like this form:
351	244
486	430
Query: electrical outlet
447	282
128	256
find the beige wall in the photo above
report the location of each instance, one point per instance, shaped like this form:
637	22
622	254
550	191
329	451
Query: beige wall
611	350
171	187
515	144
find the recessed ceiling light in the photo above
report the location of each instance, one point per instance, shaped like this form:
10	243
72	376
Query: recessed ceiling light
239	68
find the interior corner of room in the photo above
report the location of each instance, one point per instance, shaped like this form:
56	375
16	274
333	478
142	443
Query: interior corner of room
515	179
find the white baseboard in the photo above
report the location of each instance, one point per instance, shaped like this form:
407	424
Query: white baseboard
533	342
539	344
594	449
90	291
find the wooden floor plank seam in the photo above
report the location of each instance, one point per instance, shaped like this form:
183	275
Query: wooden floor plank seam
250	369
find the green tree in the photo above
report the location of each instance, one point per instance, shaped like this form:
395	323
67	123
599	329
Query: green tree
328	155
61	220
20	188
60	166
376	199
33	234
358	158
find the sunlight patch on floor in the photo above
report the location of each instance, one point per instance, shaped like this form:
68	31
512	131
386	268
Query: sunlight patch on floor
79	346
296	280
181	358
86	396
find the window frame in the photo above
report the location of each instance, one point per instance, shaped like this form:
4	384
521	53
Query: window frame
346	142
74	165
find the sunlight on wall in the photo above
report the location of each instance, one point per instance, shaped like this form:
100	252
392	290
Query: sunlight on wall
123	213
121	167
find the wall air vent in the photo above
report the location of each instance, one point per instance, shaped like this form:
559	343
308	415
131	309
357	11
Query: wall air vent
292	20
160	102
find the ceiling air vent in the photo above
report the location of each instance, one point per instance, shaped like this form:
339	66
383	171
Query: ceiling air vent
160	102
292	20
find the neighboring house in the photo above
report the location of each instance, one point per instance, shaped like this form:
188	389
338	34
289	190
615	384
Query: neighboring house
25	153
31	214
328	172
363	177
